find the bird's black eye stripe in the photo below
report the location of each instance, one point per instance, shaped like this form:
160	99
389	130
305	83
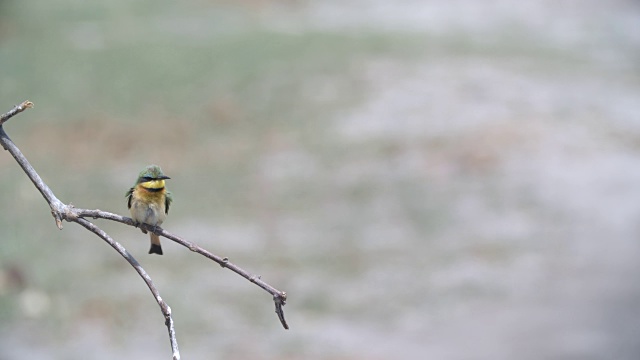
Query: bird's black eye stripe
147	178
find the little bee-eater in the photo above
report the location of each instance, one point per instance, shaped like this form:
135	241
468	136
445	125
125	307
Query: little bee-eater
149	200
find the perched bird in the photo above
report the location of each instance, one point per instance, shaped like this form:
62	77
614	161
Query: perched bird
148	200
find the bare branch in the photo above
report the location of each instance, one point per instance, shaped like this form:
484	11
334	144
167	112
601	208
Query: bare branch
15	111
279	297
166	310
56	205
61	211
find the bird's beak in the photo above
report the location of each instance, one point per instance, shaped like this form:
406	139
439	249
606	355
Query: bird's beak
163	177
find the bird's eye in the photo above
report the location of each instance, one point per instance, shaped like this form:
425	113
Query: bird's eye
147	178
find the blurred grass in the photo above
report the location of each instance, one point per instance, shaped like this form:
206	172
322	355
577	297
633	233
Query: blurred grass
240	110
121	85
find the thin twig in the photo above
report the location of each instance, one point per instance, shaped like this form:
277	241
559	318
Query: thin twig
279	297
164	307
61	211
15	111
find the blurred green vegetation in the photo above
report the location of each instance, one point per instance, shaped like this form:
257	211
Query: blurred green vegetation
244	105
209	92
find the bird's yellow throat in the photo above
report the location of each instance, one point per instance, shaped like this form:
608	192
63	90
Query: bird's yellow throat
153	184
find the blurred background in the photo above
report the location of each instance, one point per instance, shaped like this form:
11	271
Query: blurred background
425	179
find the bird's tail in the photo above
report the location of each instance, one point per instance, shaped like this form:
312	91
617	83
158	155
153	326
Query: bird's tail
156	248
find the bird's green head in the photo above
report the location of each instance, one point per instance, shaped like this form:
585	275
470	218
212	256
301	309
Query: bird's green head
152	177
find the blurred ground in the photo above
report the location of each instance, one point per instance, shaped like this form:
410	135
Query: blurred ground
426	179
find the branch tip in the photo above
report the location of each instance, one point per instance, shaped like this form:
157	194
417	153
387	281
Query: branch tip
280	299
16	110
57	218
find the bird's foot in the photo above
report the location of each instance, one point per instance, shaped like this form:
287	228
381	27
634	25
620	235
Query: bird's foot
137	224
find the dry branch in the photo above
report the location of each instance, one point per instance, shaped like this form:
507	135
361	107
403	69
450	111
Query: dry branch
279	297
61	211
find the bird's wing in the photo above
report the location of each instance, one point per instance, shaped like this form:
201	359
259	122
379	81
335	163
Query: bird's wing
129	196
168	198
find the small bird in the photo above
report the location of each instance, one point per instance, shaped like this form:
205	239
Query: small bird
148	200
